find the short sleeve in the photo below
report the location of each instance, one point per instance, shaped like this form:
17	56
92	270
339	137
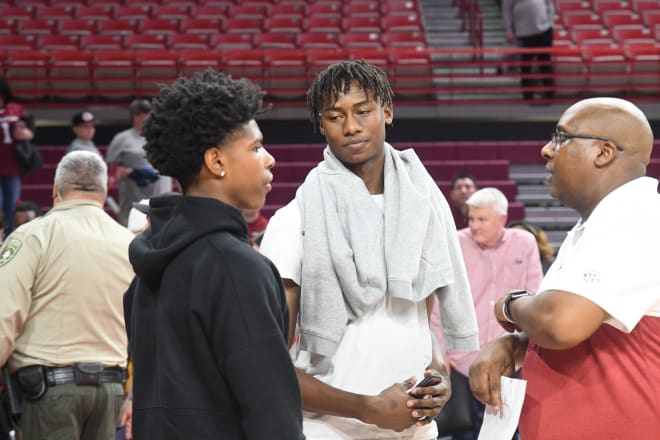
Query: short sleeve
282	242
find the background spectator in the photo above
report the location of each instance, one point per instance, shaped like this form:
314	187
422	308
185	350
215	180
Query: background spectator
530	22
137	178
26	211
83	125
463	185
14	127
546	251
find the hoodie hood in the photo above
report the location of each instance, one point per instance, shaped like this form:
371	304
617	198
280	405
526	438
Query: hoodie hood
176	222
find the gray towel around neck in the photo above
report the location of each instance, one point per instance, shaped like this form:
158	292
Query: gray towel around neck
354	253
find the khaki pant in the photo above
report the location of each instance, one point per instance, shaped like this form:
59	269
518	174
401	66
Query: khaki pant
72	412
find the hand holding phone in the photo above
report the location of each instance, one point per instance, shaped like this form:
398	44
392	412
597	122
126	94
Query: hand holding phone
431	379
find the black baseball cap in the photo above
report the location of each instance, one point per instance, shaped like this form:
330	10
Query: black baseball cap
81	117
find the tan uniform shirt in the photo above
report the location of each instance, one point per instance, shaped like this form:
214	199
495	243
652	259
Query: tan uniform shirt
62	280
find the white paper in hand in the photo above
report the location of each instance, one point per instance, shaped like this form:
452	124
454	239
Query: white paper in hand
501	424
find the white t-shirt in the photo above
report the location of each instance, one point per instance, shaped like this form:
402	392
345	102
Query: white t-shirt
602	260
384	346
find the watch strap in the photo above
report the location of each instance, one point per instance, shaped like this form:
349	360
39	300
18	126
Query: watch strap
511	296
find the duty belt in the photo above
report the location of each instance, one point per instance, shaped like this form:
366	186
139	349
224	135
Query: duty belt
64	375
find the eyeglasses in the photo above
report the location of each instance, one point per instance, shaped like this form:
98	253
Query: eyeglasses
559	139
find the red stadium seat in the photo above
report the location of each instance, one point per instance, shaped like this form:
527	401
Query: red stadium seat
172	12
7	27
286	73
215	11
58	42
18	13
393	7
191	61
617	18
404	39
142	12
410	72
210	26
574	18
244	64
18	42
118	27
70	74
146	41
68	3
402	23
102	42
366	40
326	8
234	41
154	67
244	25
643	6
114	73
324	24
286	23
589	32
318	40
321	59
39	26
275	41
252	10
652	18
289	9
635	33
354	24
77	27
375	57
26	71
160	26
56	12
364	9
611	5
191	41
95	13
607	70
563	6
645	67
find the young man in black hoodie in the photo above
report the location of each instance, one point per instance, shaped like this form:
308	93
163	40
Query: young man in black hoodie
206	314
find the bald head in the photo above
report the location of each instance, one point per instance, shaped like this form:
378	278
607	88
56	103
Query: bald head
619	120
608	143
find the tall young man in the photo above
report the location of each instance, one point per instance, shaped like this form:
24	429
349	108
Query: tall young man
362	248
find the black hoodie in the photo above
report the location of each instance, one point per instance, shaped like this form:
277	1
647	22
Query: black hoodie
207	319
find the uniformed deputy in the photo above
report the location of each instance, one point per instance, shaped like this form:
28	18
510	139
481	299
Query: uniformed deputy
62	278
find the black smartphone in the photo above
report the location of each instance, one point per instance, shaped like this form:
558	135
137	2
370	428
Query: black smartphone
428	380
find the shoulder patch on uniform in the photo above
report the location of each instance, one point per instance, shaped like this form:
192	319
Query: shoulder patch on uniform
9	250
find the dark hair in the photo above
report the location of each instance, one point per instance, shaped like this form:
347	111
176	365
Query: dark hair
192	115
339	77
460	176
27	205
138	106
5	91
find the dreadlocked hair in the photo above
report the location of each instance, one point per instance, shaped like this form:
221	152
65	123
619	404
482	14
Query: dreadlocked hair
339	78
192	115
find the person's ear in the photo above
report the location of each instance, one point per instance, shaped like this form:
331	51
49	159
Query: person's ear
213	160
389	114
606	153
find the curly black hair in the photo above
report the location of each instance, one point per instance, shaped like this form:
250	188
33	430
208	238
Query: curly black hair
194	114
339	77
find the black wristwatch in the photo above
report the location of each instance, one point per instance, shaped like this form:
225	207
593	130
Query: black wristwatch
512	296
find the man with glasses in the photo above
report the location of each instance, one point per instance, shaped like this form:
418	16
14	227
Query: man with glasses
590	338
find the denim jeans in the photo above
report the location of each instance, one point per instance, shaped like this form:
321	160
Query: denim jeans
10	190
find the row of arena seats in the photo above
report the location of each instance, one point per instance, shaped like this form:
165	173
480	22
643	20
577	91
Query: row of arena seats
211	40
206	25
182	9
